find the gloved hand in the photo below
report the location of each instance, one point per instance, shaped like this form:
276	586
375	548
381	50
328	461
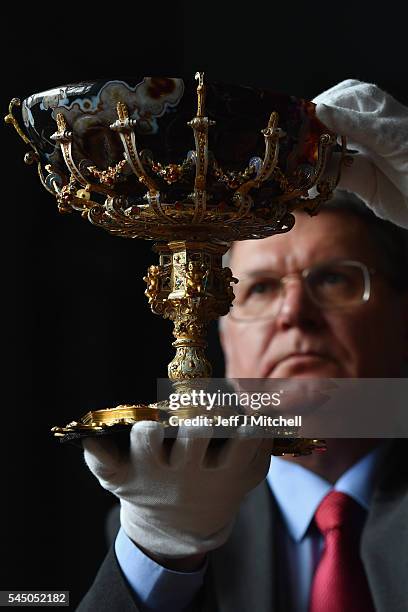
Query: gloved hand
182	501
375	125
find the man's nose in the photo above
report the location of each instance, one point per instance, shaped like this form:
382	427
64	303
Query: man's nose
296	307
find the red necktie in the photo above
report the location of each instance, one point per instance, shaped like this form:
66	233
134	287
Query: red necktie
340	583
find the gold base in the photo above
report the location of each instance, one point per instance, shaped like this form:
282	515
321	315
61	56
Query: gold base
95	421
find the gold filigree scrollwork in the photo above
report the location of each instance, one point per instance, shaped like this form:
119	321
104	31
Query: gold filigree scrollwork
272	134
324	187
66	195
326	141
281	178
199	76
200	125
153	199
241	196
74	196
171	173
32	157
232	179
325	191
244	202
10	118
111	175
124	126
63	137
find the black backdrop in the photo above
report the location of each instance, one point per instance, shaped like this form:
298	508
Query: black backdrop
77	331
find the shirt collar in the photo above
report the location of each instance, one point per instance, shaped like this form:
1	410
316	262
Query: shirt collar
299	491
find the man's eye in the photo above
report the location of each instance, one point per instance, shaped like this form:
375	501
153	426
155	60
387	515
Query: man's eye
260	287
332	278
257	288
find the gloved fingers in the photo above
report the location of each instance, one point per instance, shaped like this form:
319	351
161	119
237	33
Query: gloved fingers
369	117
347	93
190	447
375	189
348	122
336	89
389	203
102	456
239	450
146	440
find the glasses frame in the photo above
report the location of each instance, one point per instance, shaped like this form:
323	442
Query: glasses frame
305	273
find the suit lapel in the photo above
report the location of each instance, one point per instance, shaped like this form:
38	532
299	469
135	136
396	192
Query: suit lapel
384	545
242	572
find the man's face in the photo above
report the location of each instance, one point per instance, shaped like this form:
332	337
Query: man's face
304	340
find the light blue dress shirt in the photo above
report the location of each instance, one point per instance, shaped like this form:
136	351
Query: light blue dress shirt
298	492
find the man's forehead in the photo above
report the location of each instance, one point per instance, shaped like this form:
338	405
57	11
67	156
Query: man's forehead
312	240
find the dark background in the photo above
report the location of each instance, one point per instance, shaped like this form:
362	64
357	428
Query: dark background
78	333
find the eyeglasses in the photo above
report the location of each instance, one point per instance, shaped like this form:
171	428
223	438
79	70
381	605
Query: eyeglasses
332	285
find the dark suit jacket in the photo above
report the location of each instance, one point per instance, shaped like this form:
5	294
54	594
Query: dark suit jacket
243	575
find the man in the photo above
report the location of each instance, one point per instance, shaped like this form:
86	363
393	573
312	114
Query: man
201	529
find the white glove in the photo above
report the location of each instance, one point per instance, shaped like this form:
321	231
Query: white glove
375	125
183	502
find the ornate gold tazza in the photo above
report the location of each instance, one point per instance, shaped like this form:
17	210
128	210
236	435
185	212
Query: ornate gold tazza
104	149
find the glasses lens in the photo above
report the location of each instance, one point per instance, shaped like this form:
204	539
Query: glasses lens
333	285
256	297
337	284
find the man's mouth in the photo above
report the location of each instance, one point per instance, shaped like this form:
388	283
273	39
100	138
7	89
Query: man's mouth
298	359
